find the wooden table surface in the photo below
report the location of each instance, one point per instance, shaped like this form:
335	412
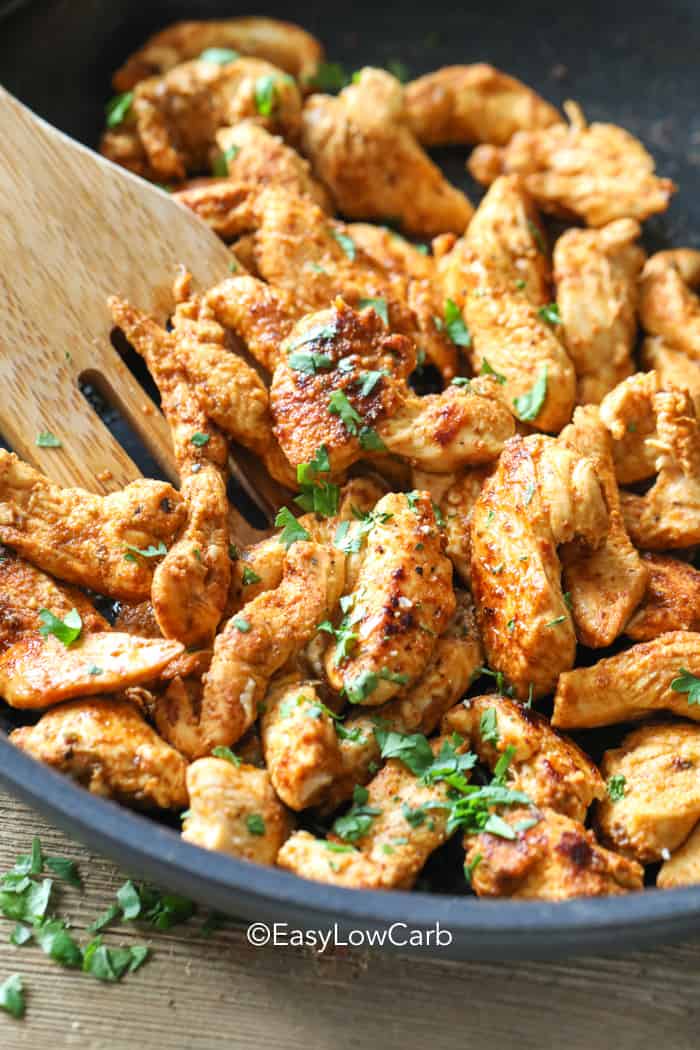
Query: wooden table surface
201	992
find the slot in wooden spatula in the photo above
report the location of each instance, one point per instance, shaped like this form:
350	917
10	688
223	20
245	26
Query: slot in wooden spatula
74	229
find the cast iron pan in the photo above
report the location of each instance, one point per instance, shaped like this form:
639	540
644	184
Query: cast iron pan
634	62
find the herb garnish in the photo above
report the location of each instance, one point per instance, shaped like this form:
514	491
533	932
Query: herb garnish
527	406
67	631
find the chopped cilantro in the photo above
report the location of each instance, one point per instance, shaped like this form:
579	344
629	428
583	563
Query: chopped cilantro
265	95
370	440
249	576
226	754
487	370
118	108
338	405
330	77
616	787
200	440
67	630
220	167
488	726
345	242
461	381
12	996
321	497
255	824
550	314
148	552
556	621
527	406
292	531
48	440
379	306
537	236
309	361
687	683
241	624
219	56
455	326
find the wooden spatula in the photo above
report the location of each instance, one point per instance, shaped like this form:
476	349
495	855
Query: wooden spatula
74	229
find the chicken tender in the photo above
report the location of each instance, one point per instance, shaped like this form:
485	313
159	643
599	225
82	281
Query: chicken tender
541	496
548	767
362	148
233	809
595	173
107	747
628	413
251	647
461	105
671	601
455	495
605	585
253	155
25	591
668	303
283	43
675	369
456	658
683	868
498	276
84	539
667	516
173	119
391	853
651	676
658	767
555	858
595	272
40	671
402	602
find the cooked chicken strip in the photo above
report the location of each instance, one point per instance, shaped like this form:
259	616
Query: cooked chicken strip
497	275
362	148
671	601
174	118
456	495
668	304
548	767
261	314
554	859
659	803
597	172
595	272
402	601
648	677
107	746
283	43
252	646
38	672
460	105
82	538
456	657
667	516
253	155
683	868
392	852
25	591
234	809
605	585
628	413
299	742
675	369
541	496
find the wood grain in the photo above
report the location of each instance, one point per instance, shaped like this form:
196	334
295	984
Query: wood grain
75	229
202	993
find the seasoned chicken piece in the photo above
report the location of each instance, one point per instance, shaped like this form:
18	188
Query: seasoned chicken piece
253	155
205	388
455	495
683	868
461	105
391	853
283	43
456	657
548	767
340	382
651	676
541	496
607	584
265	560
596	173
675	369
671	601
40	671
107	747
658	802
234	809
299	741
251	647
82	538
398	256
173	119
261	314
668	303
553	859
362	148
402	601
25	591
497	274
137	618
628	413
667	516
595	272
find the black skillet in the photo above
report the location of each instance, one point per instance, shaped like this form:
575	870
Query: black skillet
633	62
